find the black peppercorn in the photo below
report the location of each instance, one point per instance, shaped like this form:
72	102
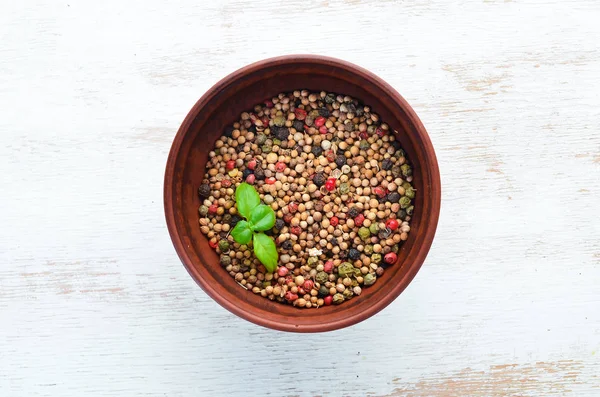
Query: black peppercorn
259	173
298	125
353	254
401	214
319	179
234	220
228	132
317	150
281	133
340	160
353	212
246	172
279	224
324	112
204	190
287	245
393	197
387	164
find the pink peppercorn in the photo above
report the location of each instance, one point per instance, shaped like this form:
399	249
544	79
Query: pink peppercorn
323	129
358	221
308	285
334	221
328	267
390	258
287	218
270	180
392	224
379	191
320	121
226	182
330	184
380	131
213	209
251	179
230	165
252	164
296	230
363	135
282	271
213	243
300	114
328	300
293	207
289	296
280	166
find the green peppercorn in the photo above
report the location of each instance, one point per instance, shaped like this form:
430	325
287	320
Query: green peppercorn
395	248
276	142
225	260
404	202
346	269
396	171
261	139
409	210
266	148
224	245
368	249
406	170
279	121
338	298
344	188
313	261
364	233
401	214
406	185
370	279
323	291
203	210
227	219
364	145
374	228
357	272
410	193
322	277
376	258
348	293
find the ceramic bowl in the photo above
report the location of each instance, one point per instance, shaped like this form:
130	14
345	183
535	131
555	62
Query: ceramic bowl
220	107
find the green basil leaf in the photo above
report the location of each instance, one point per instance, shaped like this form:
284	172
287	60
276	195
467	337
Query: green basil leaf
242	232
265	251
247	199
262	218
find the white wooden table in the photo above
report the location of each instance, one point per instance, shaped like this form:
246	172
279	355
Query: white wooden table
94	301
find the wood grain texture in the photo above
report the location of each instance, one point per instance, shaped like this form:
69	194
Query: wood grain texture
94	301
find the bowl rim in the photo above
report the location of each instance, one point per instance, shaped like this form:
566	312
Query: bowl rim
430	221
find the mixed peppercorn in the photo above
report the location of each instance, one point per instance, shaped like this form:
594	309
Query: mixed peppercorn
340	186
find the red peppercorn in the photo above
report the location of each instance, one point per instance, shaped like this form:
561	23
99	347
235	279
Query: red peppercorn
390	258
296	230
328	267
251	164
379	191
358	221
320	121
328	300
282	271
230	165
363	135
270	180
330	156
287	218
289	296
269	103
300	114
213	244
213	209
251	179
308	285
380	131
253	118
301	291
334	221
226	182
323	129
293	207
265	121
330	184
280	166
392	224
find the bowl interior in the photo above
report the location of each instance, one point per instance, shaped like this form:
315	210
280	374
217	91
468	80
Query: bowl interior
220	107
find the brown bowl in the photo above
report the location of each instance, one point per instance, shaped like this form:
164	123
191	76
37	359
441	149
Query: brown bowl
220	107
